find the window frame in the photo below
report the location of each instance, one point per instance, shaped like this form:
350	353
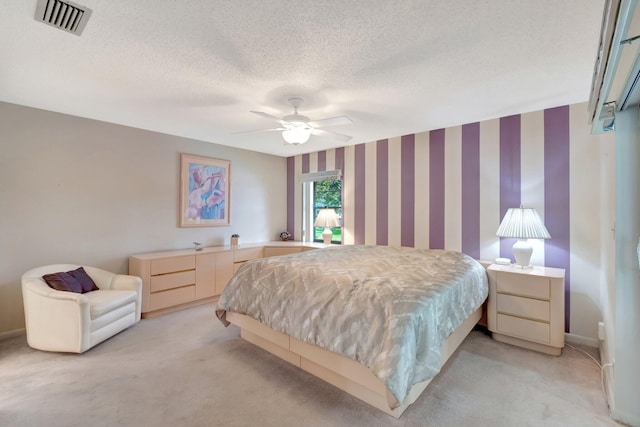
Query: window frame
308	181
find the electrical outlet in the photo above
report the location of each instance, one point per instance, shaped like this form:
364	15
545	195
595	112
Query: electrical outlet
601	331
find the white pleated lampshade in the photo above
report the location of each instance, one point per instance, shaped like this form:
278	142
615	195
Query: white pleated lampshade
522	223
327	218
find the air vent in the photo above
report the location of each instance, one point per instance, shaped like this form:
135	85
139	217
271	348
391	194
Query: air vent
65	15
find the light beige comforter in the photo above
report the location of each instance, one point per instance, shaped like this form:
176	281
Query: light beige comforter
389	308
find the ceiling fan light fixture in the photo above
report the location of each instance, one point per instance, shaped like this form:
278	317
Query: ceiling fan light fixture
296	128
296	135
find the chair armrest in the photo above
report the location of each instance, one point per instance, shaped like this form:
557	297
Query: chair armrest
55	320
126	282
129	283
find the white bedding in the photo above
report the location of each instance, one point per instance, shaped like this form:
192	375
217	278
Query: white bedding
388	308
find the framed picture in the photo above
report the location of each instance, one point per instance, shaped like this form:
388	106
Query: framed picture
204	191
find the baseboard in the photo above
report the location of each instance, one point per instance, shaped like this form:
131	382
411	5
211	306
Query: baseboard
581	340
625	418
11	334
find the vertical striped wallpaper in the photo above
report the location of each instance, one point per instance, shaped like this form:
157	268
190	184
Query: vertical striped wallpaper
449	188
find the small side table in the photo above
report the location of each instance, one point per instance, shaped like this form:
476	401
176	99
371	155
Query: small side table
526	307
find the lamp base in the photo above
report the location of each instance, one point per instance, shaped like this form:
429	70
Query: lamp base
522	251
327	236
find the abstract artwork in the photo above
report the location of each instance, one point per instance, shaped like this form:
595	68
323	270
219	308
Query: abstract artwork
204	191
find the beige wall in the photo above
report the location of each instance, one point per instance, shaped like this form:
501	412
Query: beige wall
74	190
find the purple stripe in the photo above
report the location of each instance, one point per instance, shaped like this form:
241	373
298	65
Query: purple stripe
471	190
509	173
322	161
436	189
339	165
291	163
382	192
407	190
556	195
340	161
359	191
305	163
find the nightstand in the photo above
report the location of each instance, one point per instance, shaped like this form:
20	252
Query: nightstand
526	307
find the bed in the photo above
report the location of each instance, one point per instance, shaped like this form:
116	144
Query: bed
378	322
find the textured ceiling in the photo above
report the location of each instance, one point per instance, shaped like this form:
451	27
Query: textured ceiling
196	68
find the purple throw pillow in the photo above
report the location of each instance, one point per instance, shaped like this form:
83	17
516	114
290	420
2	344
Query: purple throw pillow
63	282
86	282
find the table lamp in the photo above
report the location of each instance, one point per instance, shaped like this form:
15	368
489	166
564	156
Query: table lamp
522	224
327	218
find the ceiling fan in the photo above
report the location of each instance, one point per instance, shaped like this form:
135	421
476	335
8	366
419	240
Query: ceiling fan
296	128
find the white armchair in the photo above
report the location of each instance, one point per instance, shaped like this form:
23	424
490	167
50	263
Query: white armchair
73	322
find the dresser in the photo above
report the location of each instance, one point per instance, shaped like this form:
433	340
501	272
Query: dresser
526	307
173	280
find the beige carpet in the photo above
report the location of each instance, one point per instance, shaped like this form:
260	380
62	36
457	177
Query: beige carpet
186	369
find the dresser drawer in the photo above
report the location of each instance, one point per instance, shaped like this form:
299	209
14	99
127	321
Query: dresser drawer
280	251
237	265
523	307
170	265
172	297
521	284
523	328
240	255
172	280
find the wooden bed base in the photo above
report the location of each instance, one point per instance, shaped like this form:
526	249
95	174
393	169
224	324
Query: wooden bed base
344	373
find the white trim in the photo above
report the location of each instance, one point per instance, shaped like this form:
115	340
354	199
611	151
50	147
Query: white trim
625	417
307	211
297	200
581	340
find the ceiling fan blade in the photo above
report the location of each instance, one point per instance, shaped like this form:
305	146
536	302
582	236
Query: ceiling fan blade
267	116
332	121
341	137
257	130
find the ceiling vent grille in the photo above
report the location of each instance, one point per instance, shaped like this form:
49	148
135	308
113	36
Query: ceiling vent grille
65	15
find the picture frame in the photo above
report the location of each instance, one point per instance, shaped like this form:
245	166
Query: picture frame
205	191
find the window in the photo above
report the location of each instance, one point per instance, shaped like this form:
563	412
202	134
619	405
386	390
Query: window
327	194
320	190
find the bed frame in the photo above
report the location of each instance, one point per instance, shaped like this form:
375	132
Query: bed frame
344	373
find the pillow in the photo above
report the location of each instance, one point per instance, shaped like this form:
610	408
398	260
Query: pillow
63	282
87	282
77	281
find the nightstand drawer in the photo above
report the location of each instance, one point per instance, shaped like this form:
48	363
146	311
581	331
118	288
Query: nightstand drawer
521	284
523	307
523	328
